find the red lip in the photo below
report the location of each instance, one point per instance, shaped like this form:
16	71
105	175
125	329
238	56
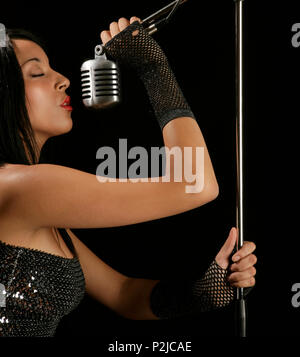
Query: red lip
67	101
67	107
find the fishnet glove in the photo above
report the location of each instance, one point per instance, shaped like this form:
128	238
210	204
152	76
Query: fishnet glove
171	298
136	48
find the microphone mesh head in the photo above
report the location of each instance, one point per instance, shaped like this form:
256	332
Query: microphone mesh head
100	83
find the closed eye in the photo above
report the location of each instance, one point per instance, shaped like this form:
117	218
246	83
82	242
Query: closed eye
37	75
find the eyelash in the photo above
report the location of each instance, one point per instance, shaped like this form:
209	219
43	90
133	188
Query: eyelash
37	75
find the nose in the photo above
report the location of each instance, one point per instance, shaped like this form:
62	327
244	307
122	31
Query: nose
62	82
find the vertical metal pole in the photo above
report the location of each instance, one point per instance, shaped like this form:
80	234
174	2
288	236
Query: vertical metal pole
240	302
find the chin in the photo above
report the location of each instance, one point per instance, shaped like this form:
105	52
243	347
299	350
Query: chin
70	125
62	129
66	125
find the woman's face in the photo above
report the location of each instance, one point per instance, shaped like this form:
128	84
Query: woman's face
45	92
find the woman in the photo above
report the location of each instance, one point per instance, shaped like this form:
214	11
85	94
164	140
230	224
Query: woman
45	272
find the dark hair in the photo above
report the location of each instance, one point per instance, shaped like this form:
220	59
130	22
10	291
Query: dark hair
14	119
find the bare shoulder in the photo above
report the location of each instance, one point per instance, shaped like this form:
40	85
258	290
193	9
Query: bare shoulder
9	169
17	176
7	174
27	191
14	176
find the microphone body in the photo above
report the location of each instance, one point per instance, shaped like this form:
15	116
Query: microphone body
100	81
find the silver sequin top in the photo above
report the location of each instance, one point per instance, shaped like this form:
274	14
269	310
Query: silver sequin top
36	290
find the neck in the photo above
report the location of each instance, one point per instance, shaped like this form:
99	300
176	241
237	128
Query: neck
37	151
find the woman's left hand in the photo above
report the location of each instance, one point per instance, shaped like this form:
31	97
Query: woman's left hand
116	27
241	268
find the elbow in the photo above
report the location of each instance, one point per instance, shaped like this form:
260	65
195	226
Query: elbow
213	191
199	196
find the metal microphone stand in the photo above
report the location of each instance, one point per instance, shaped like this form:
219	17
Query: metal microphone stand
240	304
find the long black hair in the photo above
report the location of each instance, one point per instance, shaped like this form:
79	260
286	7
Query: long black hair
15	127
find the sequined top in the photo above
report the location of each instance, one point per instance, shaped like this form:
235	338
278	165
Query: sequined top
36	290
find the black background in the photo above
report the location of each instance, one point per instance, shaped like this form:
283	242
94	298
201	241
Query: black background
200	45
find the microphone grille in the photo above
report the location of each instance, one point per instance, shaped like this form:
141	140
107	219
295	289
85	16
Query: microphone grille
100	83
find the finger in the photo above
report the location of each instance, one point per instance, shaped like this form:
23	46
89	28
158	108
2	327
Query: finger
246	249
114	29
239	276
229	243
134	18
227	248
105	36
123	23
244	283
244	263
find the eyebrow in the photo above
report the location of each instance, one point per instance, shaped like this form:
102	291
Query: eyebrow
31	59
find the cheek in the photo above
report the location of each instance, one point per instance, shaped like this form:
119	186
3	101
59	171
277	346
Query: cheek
38	99
45	114
40	103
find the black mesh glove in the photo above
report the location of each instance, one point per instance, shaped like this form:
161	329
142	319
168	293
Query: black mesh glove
173	298
136	48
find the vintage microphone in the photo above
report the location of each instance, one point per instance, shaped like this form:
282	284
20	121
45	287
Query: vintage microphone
100	77
240	308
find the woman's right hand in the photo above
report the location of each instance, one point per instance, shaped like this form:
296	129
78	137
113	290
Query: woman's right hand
242	271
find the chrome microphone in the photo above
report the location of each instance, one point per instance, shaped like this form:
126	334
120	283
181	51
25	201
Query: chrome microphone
100	81
100	77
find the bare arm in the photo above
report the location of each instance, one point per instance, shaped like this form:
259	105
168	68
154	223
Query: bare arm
136	299
212	290
128	297
47	195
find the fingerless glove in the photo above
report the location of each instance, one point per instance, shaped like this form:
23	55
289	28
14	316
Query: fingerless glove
173	298
136	48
